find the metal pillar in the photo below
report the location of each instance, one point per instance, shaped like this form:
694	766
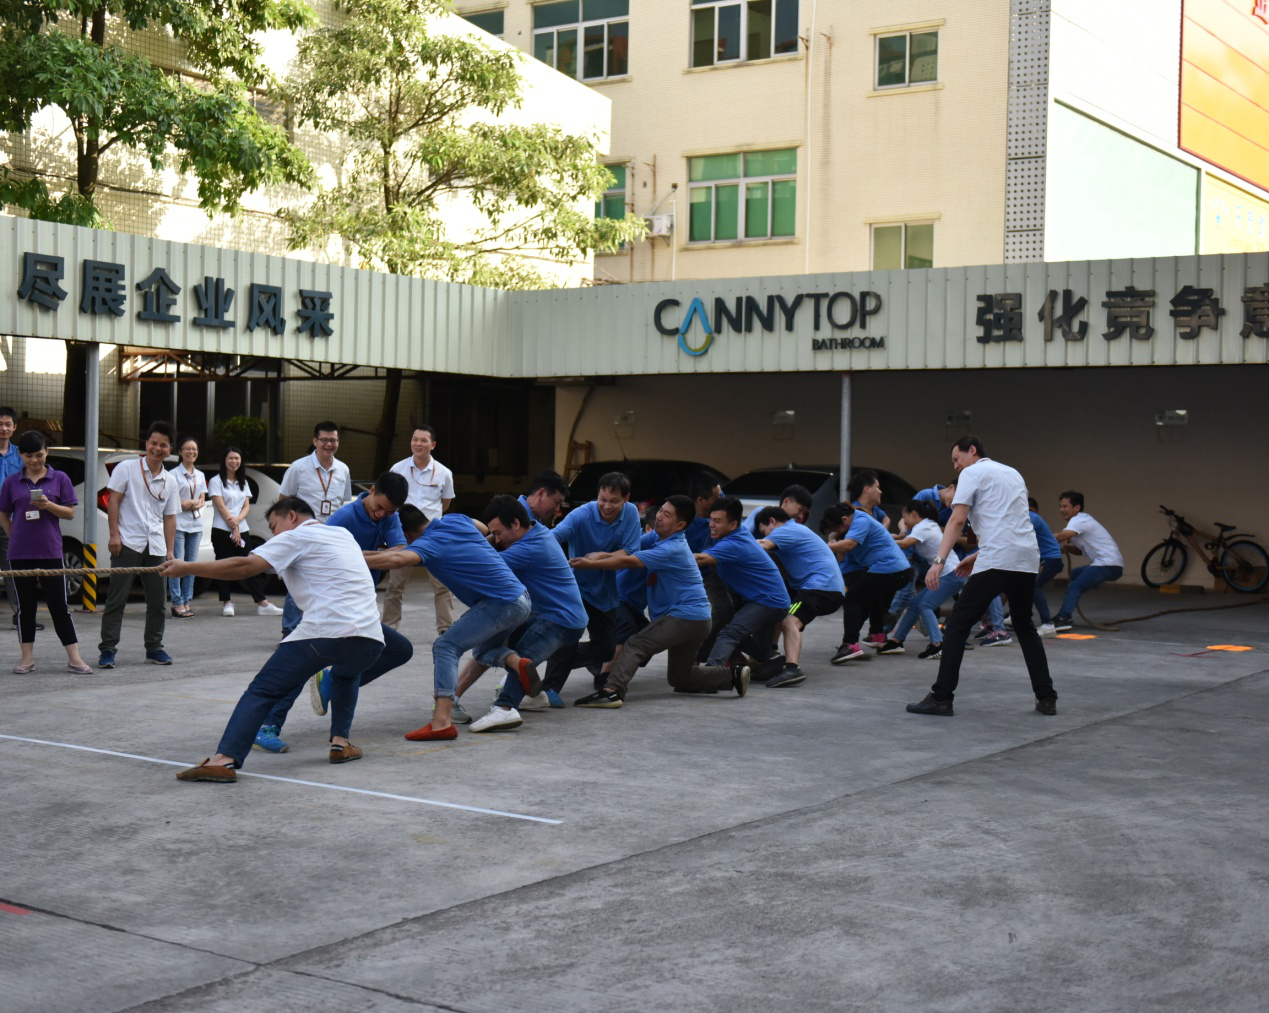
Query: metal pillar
844	454
92	405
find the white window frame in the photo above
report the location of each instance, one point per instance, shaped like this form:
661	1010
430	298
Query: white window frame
907	62
903	242
580	27
717	5
741	183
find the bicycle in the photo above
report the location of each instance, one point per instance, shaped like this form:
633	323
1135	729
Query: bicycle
1242	564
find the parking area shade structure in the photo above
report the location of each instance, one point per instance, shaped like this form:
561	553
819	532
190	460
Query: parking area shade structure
92	409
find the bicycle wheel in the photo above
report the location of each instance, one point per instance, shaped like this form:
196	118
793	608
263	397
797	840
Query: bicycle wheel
1244	566
1164	564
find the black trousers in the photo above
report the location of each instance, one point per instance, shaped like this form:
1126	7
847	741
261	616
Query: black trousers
602	627
54	597
225	548
867	593
980	589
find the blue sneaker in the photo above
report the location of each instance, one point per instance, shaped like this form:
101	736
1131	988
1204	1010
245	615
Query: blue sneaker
554	699
267	740
157	658
319	691
107	660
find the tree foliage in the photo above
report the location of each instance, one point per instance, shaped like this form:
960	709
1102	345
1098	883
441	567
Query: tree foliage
75	56
417	107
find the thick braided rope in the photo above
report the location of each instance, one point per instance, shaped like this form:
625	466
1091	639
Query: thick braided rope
66	571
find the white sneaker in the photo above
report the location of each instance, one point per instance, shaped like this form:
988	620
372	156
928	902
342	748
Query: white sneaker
267	609
1048	630
498	719
228	610
536	703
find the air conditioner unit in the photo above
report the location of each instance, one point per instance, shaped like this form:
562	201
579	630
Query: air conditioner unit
660	225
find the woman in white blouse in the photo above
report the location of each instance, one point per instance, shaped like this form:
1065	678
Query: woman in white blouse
191	488
231	497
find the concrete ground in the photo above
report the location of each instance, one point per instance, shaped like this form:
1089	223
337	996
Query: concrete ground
803	849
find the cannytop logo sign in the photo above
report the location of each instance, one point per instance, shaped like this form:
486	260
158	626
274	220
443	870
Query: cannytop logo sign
1261	10
839	311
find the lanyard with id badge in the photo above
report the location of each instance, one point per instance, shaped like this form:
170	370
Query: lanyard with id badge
326	480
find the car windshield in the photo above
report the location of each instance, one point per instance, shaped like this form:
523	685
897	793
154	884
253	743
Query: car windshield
772	483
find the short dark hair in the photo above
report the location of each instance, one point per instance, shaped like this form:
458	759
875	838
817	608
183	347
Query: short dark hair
649	516
412	519
731	506
683	507
290	504
798	493
551	481
32	442
860	481
394	486
616	481
427	429
835	514
508	510
703	483
325	427
184	439
1076	499
163	429
922	508
1032	504
11	413
767	514
967	443
951	483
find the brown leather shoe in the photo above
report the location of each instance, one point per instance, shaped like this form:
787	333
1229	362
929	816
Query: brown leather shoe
344	754
209	772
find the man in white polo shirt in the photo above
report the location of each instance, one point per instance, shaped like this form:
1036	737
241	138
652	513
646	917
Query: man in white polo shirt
993	497
322	482
1084	535
325	567
432	491
141	513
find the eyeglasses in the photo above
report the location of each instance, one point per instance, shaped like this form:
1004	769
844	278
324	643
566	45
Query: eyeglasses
332	440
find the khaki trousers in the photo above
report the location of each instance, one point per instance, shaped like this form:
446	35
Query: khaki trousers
397	580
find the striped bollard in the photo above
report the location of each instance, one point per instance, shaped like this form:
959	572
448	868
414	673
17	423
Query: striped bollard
89	596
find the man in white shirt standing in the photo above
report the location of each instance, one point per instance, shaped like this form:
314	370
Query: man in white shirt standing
1084	535
340	628
994	497
432	491
144	502
322	482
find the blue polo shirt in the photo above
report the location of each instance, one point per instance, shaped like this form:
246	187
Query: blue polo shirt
745	567
632	584
877	551
931	495
369	534
675	587
806	558
697	534
1049	548
539	563
460	558
584	531
10	463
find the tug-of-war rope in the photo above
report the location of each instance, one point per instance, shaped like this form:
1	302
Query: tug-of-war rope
68	570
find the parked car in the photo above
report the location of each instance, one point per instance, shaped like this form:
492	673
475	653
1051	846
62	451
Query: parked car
763	486
651	480
71	461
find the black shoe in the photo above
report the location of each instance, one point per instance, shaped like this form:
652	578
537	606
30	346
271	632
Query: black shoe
790	675
767	669
1046	705
1061	623
932	652
600	698
740	676
939	708
890	647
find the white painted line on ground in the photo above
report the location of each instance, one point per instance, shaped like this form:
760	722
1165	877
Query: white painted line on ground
293	780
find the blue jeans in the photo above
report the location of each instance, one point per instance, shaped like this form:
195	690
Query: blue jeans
1049	568
482	626
180	590
902	599
396	652
1085	578
537	639
291	615
922	606
291	666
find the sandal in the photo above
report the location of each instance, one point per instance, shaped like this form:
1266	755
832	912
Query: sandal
80	669
23	669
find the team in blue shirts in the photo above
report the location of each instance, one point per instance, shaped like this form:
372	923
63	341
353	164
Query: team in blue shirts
886	571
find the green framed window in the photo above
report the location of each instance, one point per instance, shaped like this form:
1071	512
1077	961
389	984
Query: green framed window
746	195
899	247
731	31
907	58
585	39
490	21
613	203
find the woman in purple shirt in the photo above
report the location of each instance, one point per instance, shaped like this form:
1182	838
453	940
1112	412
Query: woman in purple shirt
33	503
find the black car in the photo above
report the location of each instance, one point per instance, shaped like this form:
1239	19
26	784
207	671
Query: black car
651	480
763	486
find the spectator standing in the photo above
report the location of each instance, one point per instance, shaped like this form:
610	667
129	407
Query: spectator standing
141	514
231	501
191	486
33	503
1083	534
431	489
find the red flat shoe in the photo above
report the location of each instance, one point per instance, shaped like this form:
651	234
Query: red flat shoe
425	734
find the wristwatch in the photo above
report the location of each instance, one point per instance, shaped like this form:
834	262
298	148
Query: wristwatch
938	560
